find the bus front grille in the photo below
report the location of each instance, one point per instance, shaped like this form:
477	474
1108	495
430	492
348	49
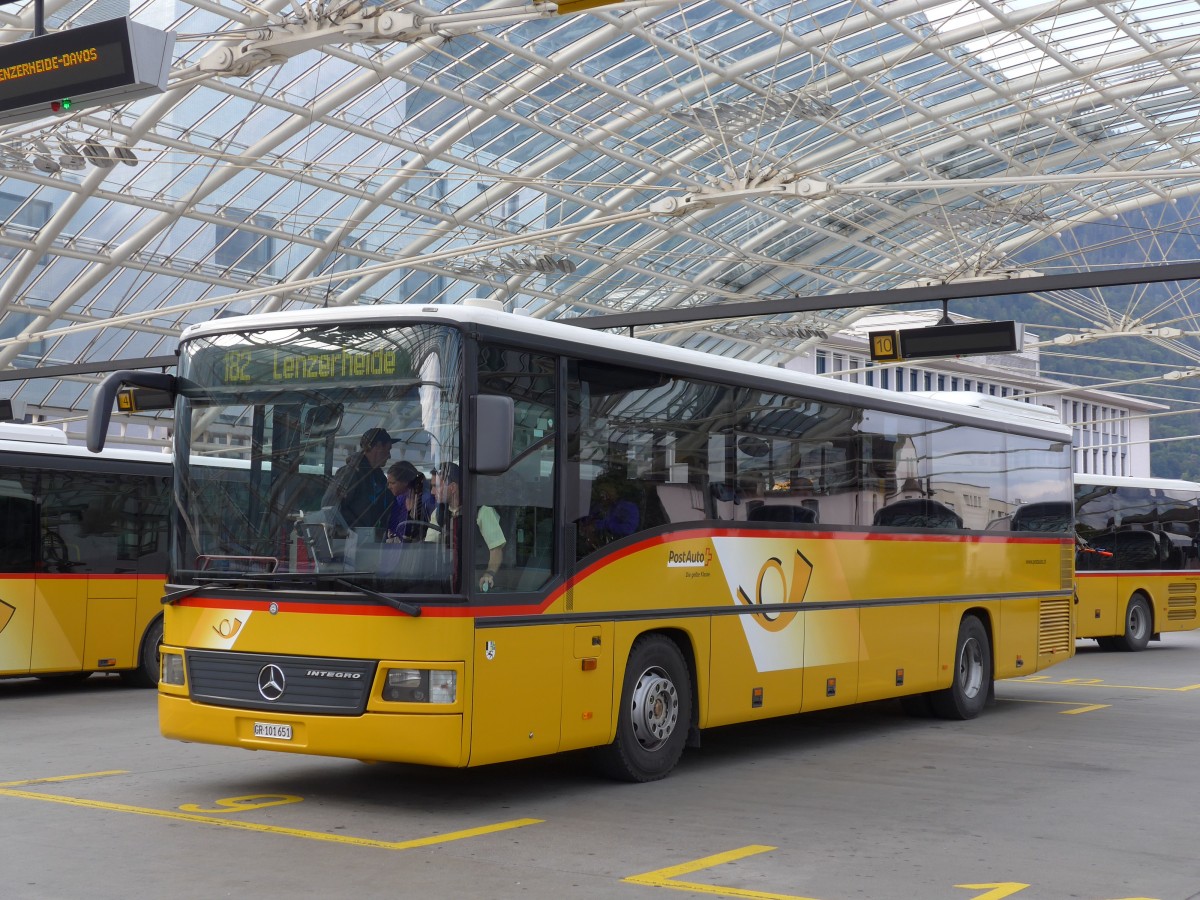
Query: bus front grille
296	684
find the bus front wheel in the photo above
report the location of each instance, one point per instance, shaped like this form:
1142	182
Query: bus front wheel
968	692
655	713
1138	625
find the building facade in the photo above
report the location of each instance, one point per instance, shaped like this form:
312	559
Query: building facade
1111	430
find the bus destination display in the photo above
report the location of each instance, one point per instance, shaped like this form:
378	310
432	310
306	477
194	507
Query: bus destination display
274	366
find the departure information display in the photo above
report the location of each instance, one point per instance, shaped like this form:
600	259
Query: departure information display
111	61
944	340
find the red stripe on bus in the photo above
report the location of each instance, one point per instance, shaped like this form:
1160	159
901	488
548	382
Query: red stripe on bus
480	612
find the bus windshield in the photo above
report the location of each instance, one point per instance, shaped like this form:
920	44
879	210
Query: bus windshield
308	452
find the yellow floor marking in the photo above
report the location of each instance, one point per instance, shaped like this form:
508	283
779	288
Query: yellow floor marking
1096	682
274	829
666	878
55	778
242	804
1002	889
1090	707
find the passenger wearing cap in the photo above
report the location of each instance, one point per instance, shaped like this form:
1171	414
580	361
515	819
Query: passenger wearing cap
413	504
359	488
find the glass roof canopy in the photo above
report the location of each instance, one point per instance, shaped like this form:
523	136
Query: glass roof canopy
647	155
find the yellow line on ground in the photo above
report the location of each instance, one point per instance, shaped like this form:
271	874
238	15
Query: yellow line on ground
55	778
1089	682
665	878
1066	712
275	829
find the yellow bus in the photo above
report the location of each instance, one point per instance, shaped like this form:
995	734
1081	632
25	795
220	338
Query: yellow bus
631	542
83	557
1138	573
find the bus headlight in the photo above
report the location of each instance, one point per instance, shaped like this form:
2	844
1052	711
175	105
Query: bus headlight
421	685
172	668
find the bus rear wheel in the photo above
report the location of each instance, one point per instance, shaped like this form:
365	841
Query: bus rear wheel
1138	625
972	684
655	713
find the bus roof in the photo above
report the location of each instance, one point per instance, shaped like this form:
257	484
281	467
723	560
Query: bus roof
1166	484
47	441
963	404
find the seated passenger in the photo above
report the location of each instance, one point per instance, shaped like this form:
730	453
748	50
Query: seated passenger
609	518
448	521
412	507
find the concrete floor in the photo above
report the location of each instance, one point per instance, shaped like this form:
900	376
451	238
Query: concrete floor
1080	783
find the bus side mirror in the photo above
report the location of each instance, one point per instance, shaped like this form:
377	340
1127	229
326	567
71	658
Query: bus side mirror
491	448
150	390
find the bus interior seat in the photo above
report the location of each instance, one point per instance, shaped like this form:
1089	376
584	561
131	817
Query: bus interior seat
1138	549
783	512
918	513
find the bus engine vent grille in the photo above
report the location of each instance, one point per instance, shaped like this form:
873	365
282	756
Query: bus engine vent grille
297	684
1181	601
1054	627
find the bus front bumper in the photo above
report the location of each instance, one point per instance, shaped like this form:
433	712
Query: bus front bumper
434	739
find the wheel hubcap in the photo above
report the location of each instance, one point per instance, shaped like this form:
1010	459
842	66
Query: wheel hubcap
1137	622
970	668
655	708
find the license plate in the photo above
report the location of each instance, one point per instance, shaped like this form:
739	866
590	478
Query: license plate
273	730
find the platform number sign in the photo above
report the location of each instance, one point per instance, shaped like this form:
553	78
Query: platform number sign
885	346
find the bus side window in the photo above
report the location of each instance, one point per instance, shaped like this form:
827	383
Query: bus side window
18	530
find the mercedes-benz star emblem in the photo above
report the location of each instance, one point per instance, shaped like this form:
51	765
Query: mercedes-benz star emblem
271	682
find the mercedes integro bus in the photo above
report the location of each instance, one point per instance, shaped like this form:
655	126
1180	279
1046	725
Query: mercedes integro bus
626	542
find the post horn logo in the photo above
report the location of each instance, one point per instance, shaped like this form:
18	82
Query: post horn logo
227	629
772	572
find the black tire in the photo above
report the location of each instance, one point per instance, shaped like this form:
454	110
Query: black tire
146	673
1139	625
655	713
972	684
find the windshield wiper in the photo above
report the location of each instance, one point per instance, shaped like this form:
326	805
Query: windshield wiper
403	606
224	581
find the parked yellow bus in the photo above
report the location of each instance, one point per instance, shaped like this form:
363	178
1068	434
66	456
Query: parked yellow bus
83	557
1138	573
632	542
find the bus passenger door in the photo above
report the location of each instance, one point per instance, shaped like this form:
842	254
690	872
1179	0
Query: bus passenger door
18	526
517	695
89	523
1096	614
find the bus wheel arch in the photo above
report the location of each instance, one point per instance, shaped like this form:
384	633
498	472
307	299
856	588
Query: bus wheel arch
657	710
149	653
972	684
